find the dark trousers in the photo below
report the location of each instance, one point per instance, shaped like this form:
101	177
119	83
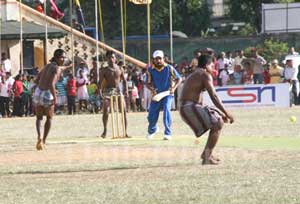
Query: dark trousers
4	106
17	107
71	104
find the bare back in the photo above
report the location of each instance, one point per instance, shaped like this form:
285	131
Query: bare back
47	76
194	86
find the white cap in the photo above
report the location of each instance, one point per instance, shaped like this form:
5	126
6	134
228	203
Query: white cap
158	53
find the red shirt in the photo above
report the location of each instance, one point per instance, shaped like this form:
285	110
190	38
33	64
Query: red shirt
267	77
71	87
18	88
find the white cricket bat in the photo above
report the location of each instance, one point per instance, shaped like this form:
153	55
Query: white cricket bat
160	96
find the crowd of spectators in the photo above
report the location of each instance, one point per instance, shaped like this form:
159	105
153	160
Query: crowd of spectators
77	93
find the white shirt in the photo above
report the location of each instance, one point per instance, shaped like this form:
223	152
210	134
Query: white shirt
290	73
224	76
4	89
6	65
85	73
222	63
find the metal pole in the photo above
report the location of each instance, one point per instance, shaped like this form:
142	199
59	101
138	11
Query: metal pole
148	32
171	32
97	39
46	33
72	37
122	25
21	39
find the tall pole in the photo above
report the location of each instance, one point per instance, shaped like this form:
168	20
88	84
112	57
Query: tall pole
123	33
97	39
46	33
148	32
171	32
21	39
72	36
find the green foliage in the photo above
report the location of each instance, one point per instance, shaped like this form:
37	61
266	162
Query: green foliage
270	49
247	30
187	17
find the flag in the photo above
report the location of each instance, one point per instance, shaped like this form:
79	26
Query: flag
141	1
79	13
54	11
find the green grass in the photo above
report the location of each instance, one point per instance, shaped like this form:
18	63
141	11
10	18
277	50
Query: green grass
260	155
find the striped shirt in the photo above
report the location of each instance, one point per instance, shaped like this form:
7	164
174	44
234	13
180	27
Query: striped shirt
162	78
60	86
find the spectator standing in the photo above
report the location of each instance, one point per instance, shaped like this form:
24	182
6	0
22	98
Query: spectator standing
290	76
258	67
26	96
18	91
292	51
266	74
82	93
146	92
275	72
85	71
222	62
5	63
238	59
39	6
194	62
160	78
5	90
71	94
60	87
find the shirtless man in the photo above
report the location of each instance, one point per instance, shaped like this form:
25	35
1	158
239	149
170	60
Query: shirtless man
44	96
109	81
199	117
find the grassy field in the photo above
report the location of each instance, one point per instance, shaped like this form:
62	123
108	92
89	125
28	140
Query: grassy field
260	164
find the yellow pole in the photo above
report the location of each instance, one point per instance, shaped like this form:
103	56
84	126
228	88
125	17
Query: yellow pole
148	32
101	20
122	25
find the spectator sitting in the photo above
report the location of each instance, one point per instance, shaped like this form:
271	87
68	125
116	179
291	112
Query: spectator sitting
224	76
248	73
237	75
94	98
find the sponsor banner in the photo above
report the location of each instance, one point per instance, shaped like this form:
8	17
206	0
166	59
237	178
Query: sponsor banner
251	96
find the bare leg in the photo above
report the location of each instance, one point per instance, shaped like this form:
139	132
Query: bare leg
105	117
211	143
38	128
46	129
39	118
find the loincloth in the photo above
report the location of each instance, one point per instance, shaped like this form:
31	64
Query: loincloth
199	118
108	92
42	97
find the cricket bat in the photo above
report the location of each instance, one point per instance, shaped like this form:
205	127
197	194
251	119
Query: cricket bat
160	96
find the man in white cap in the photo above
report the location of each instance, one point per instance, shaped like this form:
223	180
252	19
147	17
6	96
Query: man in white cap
160	78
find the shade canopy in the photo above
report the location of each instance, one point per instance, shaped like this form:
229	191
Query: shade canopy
10	30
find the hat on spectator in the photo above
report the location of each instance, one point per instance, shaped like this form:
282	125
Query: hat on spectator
275	61
158	53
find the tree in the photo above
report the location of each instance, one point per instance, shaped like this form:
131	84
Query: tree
189	16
